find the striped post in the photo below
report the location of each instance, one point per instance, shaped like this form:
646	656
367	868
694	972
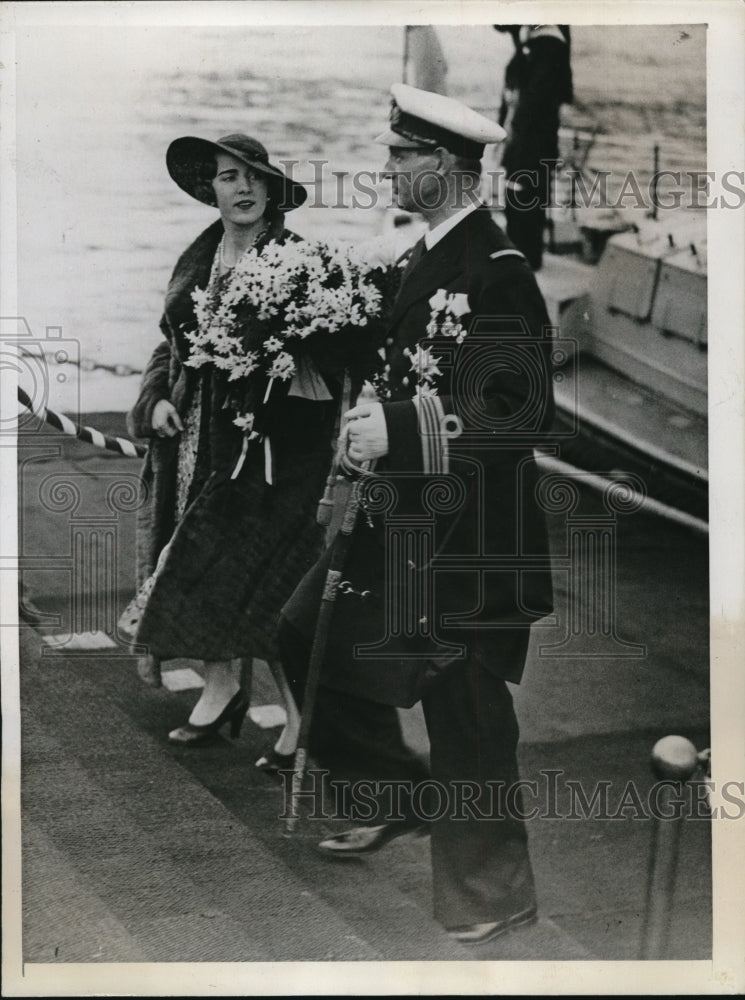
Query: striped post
89	434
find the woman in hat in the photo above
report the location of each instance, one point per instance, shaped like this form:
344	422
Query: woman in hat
218	556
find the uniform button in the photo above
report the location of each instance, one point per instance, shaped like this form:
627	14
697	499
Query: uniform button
389	341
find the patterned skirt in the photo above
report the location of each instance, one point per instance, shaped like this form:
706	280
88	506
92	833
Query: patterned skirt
188	450
233	562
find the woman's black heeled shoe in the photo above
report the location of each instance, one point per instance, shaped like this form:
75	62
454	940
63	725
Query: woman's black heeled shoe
273	762
234	713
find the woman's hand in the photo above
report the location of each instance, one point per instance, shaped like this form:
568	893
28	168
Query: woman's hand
166	421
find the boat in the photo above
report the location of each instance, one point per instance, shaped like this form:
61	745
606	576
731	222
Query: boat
635	326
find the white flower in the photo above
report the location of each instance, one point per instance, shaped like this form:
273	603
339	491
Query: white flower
439	300
245	422
240	366
282	367
220	339
272	344
198	358
199	298
458	304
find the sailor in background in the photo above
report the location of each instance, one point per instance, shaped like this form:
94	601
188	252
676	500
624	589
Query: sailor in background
538	80
467	270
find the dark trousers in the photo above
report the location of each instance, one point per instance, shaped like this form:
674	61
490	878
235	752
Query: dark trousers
353	738
525	212
480	864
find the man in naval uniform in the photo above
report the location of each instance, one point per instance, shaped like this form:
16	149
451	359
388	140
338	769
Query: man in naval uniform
464	396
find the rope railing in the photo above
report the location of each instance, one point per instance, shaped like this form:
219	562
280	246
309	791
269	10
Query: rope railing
91	365
81	432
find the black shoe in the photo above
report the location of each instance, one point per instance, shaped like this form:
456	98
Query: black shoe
273	762
481	933
234	713
366	839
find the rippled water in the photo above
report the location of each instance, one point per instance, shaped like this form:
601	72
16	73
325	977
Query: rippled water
101	223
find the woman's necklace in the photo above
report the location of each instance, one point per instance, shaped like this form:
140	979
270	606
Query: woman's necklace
223	262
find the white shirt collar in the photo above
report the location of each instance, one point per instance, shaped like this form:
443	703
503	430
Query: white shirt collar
433	236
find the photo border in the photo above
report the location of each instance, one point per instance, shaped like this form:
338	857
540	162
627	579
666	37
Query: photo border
726	256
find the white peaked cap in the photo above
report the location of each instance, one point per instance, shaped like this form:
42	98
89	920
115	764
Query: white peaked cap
421	118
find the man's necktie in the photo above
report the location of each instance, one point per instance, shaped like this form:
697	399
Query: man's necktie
414	257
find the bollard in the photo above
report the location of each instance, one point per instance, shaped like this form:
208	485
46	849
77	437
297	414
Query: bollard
674	759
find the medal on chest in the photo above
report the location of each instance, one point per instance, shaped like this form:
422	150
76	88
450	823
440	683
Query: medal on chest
418	370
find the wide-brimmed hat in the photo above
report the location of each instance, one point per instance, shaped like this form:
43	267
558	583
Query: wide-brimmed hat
187	157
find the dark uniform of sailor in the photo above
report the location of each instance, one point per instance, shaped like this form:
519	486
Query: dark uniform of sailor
537	81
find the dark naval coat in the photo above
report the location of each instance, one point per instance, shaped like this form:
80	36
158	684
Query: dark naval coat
450	548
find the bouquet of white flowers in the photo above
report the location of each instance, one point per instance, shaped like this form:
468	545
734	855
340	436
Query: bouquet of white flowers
266	313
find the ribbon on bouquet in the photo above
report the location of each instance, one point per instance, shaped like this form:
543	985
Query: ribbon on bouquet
307	383
252	436
268	476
